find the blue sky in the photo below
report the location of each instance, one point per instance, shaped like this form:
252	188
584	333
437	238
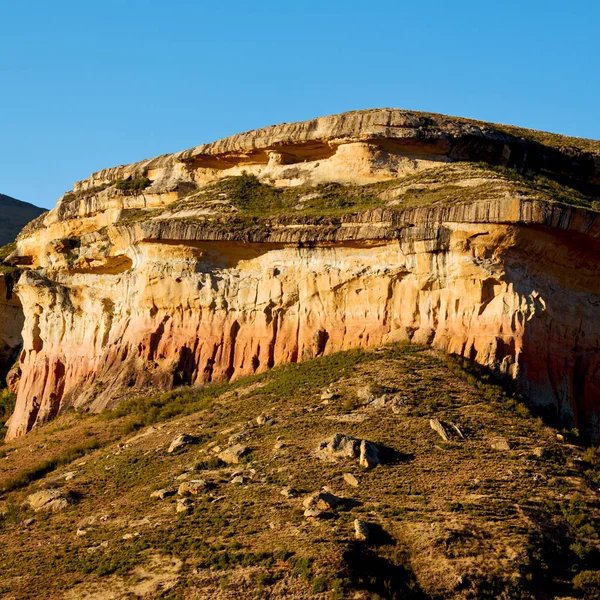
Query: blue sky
88	85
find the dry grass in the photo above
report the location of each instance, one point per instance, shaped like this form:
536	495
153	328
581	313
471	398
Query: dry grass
453	519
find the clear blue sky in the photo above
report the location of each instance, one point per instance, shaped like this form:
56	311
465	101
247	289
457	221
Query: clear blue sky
91	84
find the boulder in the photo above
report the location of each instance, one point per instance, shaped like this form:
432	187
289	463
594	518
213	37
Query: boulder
369	455
350	479
232	455
339	446
184	505
437	426
192	488
501	444
163	493
314	513
361	530
180	441
322	500
539	452
51	500
237	480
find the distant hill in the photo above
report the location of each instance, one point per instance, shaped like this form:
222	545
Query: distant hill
14	215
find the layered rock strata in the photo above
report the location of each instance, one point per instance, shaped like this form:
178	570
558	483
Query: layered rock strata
115	305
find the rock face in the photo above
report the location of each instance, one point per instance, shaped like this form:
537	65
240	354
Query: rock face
11	323
117	300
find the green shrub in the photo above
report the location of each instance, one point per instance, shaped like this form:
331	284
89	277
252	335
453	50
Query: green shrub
132	184
588	583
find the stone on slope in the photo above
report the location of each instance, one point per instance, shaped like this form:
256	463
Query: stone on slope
322	500
232	455
163	493
339	446
369	455
437	426
180	441
361	530
192	488
51	500
350	479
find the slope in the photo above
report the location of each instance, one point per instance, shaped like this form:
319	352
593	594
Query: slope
14	215
503	508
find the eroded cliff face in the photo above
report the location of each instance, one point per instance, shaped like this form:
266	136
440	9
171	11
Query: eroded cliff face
11	323
115	303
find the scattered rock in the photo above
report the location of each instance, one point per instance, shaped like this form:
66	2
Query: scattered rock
180	441
70	475
232	455
349	418
314	513
369	455
539	452
51	500
361	530
289	492
501	444
370	393
81	532
238	480
264	420
322	500
278	445
182	477
339	446
184	505
163	493
192	488
329	394
437	426
350	479
560	437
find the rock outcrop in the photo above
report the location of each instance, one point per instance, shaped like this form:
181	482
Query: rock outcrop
132	285
11	323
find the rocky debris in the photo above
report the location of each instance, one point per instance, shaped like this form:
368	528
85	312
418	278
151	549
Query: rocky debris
339	446
539	452
183	476
192	488
278	445
370	393
369	455
329	394
349	418
350	479
314	513
323	500
180	441
437	426
81	532
232	455
264	419
501	444
163	493
184	505
289	492
560	437
70	475
361	530
51	500
237	480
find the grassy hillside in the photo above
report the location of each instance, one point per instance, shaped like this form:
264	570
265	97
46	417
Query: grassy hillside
504	508
14	215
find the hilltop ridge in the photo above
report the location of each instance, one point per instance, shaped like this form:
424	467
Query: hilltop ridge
303	239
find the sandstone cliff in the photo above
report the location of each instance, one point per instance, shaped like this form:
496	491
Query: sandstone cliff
304	239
